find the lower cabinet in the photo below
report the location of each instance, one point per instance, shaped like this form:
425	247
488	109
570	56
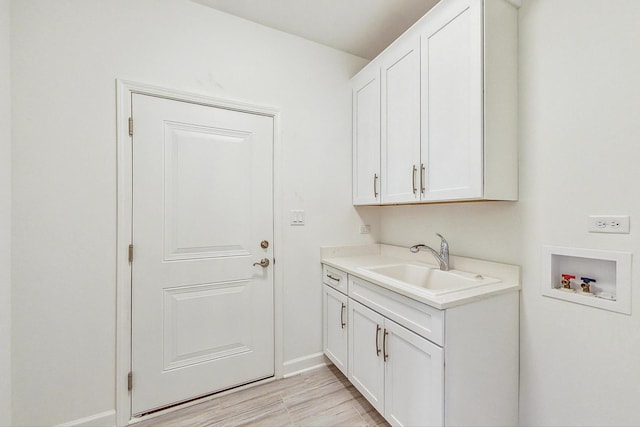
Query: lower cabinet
366	363
400	373
334	339
413	380
421	366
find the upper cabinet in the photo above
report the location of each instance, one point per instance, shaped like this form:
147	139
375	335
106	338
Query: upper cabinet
447	108
452	101
366	137
400	121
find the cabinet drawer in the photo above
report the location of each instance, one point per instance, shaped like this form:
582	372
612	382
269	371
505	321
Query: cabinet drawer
335	278
422	319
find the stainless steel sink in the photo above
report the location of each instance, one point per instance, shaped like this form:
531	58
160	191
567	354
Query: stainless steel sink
433	280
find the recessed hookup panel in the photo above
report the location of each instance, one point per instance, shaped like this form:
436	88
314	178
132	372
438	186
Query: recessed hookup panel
591	277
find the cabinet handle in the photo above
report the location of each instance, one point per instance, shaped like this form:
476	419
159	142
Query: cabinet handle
413	179
337	279
422	178
377	340
384	344
375	185
342	316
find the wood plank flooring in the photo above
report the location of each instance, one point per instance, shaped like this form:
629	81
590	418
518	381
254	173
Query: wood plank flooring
321	397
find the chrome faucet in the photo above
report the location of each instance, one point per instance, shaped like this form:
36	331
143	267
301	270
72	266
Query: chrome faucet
442	256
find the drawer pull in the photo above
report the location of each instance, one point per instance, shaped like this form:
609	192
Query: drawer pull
377	340
337	279
342	322
384	344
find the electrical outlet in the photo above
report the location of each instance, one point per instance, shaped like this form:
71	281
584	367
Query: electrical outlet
365	229
608	224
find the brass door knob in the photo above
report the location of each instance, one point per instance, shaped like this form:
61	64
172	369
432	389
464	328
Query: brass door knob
264	244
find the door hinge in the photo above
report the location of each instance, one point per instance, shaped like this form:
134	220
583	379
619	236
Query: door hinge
130	381
130	253
130	126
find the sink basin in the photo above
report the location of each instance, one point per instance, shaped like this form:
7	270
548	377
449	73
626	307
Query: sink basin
433	280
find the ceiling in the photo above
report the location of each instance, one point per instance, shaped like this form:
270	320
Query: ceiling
360	27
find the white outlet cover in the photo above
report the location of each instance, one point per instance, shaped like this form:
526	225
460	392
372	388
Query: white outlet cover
619	224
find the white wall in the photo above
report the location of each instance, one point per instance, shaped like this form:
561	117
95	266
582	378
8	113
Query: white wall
66	57
5	215
579	130
579	153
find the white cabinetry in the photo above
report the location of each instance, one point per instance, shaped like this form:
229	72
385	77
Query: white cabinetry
366	137
448	107
334	316
365	353
414	378
400	373
452	101
418	365
400	101
335	327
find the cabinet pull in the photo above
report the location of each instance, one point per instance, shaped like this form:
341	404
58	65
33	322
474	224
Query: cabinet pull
422	178
377	340
342	323
337	279
384	344
375	185
413	179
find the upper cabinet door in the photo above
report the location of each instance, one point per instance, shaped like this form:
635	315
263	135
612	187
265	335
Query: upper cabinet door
452	86
400	99
366	137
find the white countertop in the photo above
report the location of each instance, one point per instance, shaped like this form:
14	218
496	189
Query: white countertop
352	259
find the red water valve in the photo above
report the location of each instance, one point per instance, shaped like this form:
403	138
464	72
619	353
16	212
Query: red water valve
566	280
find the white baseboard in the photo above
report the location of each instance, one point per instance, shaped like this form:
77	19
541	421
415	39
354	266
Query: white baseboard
305	363
103	419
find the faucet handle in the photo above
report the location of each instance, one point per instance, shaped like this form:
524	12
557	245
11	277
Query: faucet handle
444	245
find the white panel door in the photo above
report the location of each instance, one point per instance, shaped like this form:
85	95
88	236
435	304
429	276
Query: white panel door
366	137
335	327
414	379
452	122
202	313
400	100
366	365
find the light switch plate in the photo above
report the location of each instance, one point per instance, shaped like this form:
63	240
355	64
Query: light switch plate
296	217
619	224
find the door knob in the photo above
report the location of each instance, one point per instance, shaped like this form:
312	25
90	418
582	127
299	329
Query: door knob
264	262
264	244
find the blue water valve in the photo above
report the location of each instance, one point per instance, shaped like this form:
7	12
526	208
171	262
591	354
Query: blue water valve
586	284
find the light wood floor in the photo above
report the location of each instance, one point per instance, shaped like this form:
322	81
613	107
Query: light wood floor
322	397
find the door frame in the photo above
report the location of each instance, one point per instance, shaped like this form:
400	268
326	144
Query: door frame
124	224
